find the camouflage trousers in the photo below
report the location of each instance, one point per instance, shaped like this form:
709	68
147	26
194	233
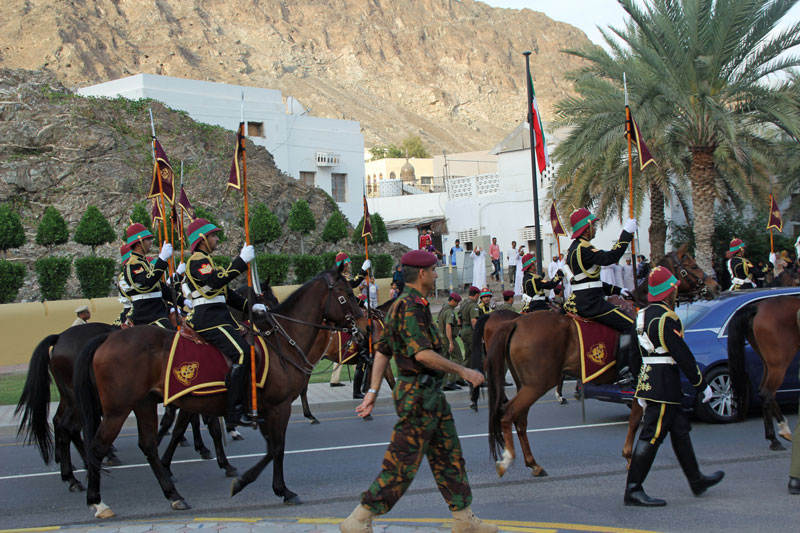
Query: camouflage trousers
455	356
425	429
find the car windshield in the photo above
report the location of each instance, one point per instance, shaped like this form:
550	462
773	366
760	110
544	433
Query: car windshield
691	313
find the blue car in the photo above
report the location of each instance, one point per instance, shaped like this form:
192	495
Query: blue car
706	332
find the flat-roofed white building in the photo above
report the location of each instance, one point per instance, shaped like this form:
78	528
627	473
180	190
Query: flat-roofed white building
324	152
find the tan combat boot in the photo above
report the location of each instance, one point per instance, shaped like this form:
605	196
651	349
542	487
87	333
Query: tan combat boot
359	521
464	521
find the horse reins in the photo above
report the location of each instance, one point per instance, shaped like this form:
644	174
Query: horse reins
695	281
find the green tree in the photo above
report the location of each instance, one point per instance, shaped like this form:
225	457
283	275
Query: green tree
202	212
95	275
11	233
52	229
379	232
52	274
264	225
93	230
12	276
335	229
715	62
411	146
139	215
301	219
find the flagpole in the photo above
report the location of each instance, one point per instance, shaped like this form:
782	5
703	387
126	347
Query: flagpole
629	126
369	276
769	219
181	210
167	238
537	228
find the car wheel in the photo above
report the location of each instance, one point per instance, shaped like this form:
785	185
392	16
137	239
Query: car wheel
722	407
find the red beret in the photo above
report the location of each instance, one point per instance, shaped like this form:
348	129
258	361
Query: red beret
508	294
474	290
455	296
418	258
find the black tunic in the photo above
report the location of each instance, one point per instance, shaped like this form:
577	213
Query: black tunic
534	286
143	286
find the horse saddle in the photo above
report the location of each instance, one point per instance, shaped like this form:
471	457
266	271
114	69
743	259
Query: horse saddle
598	346
199	368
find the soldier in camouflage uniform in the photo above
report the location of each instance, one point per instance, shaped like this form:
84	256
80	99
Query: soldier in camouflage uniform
425	426
448	329
508	302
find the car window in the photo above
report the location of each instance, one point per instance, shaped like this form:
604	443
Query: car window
691	313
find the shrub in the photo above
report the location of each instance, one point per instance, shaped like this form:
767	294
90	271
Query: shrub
52	229
301	219
335	229
382	265
95	275
379	233
93	230
11	233
12	275
264	225
306	267
274	267
202	212
222	261
52	274
328	259
140	215
358	260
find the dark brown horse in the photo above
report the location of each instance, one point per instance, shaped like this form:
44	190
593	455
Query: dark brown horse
128	369
771	328
693	283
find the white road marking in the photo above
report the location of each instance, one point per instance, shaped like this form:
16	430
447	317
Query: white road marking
313	450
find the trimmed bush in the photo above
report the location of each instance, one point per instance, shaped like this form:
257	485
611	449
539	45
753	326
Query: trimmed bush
382	265
264	225
222	261
202	212
52	274
335	228
379	233
52	229
328	259
301	219
11	233
306	267
95	275
93	230
12	275
274	267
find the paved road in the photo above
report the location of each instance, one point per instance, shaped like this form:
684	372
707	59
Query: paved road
329	464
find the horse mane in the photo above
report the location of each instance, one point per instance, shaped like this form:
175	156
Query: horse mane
293	298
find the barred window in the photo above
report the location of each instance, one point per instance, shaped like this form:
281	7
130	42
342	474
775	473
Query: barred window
338	187
307	178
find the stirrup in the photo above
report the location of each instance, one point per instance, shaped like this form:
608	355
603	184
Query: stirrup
624	377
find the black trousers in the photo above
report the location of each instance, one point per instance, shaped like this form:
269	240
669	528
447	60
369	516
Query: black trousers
229	342
663	418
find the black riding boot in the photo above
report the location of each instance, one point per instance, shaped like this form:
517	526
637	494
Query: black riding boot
685	453
626	359
643	457
358	380
237	405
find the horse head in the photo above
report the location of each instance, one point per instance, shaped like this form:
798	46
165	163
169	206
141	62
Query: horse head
692	280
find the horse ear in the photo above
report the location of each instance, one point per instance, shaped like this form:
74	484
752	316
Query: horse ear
683	248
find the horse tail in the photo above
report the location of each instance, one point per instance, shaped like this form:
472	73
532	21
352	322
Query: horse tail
741	325
477	342
34	403
88	398
495	376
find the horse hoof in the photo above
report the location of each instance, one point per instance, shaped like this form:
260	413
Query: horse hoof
314	421
184	443
367	418
101	510
776	446
76	486
230	471
180	505
539	472
236	487
474	407
206	454
294	500
112	460
562	401
500	468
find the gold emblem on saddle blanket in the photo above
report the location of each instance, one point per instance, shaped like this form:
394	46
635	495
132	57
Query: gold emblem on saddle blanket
186	372
597	353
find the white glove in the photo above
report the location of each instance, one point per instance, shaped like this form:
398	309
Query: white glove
630	226
259	308
642	402
188	304
626	292
773	258
166	252
181	269
366	265
248	253
707	395
526	298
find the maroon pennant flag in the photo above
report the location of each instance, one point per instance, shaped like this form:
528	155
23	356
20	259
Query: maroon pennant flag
235	176
156	213
644	154
163	167
185	204
775	219
367	230
558	229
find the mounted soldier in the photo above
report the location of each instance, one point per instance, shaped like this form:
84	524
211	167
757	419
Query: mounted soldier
588	292
740	268
533	286
210	316
124	299
141	280
345	266
485	301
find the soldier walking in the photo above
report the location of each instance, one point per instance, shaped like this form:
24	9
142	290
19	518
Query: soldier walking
447	321
425	426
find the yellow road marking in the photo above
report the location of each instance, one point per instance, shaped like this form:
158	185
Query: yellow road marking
249	520
24	529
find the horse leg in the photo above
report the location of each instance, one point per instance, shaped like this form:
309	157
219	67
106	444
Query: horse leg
276	437
106	433
559	391
147	424
215	431
633	425
63	435
181	423
306	409
252	474
518	414
199	445
166	421
783	424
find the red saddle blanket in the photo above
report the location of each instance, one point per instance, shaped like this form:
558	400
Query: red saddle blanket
598	346
196	367
341	350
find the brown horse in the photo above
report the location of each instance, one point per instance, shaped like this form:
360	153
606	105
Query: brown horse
770	326
128	369
693	283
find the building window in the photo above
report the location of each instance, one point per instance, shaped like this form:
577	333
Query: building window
255	129
338	182
307	178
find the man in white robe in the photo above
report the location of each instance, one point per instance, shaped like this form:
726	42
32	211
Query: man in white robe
478	267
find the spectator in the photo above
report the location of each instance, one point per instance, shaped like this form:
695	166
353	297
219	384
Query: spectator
397	278
83	315
627	275
478	267
642	269
494	253
453	250
553	267
511	261
425	239
518	273
393	291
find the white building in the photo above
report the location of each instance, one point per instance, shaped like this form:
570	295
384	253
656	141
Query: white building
327	153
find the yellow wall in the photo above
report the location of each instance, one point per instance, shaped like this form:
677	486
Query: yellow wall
23	326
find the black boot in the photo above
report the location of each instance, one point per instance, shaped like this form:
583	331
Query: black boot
236	402
794	485
358	380
643	457
625	359
685	453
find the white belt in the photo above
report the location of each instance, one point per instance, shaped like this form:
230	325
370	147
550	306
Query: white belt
146	296
589	285
662	360
197	294
206	301
538	298
583	275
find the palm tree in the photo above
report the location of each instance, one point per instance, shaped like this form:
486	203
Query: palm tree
717	98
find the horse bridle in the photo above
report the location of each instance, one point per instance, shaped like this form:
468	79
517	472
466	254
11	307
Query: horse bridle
700	288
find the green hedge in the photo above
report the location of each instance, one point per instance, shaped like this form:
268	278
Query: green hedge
12	235
328	259
52	274
222	261
273	266
306	267
12	275
382	265
95	275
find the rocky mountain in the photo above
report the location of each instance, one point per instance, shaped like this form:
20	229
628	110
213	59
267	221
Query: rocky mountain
451	71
